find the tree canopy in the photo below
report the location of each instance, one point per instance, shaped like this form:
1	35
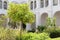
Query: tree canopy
20	13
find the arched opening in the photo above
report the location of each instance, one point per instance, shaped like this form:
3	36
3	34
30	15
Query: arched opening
41	3
5	5
31	5
46	3
0	4
57	16
43	18
35	4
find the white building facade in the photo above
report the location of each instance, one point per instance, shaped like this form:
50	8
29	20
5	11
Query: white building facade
41	8
44	9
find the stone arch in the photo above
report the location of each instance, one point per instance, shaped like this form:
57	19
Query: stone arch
5	4
43	18
57	16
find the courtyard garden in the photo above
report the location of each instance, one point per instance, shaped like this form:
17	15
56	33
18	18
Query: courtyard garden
20	13
14	34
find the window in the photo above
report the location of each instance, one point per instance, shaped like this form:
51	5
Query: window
31	5
5	5
55	2
35	4
0	4
42	3
46	3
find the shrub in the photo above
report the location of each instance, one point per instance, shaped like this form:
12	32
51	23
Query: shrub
17	33
13	34
7	34
51	22
49	29
55	33
31	30
35	36
41	28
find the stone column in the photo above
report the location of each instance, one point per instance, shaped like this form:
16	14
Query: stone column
37	19
50	2
58	2
2	4
38	4
44	3
33	4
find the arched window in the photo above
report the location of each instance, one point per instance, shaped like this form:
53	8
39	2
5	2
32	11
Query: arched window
46	3
5	5
41	3
35	4
55	2
0	4
31	5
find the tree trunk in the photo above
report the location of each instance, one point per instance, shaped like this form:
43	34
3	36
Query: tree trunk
20	26
14	25
20	30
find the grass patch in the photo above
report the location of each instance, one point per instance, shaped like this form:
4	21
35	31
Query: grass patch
55	39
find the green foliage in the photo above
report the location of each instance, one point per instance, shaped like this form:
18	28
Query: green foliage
17	33
55	38
54	22
14	34
41	28
20	12
12	24
49	30
48	22
35	36
31	30
51	22
55	33
2	20
8	34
